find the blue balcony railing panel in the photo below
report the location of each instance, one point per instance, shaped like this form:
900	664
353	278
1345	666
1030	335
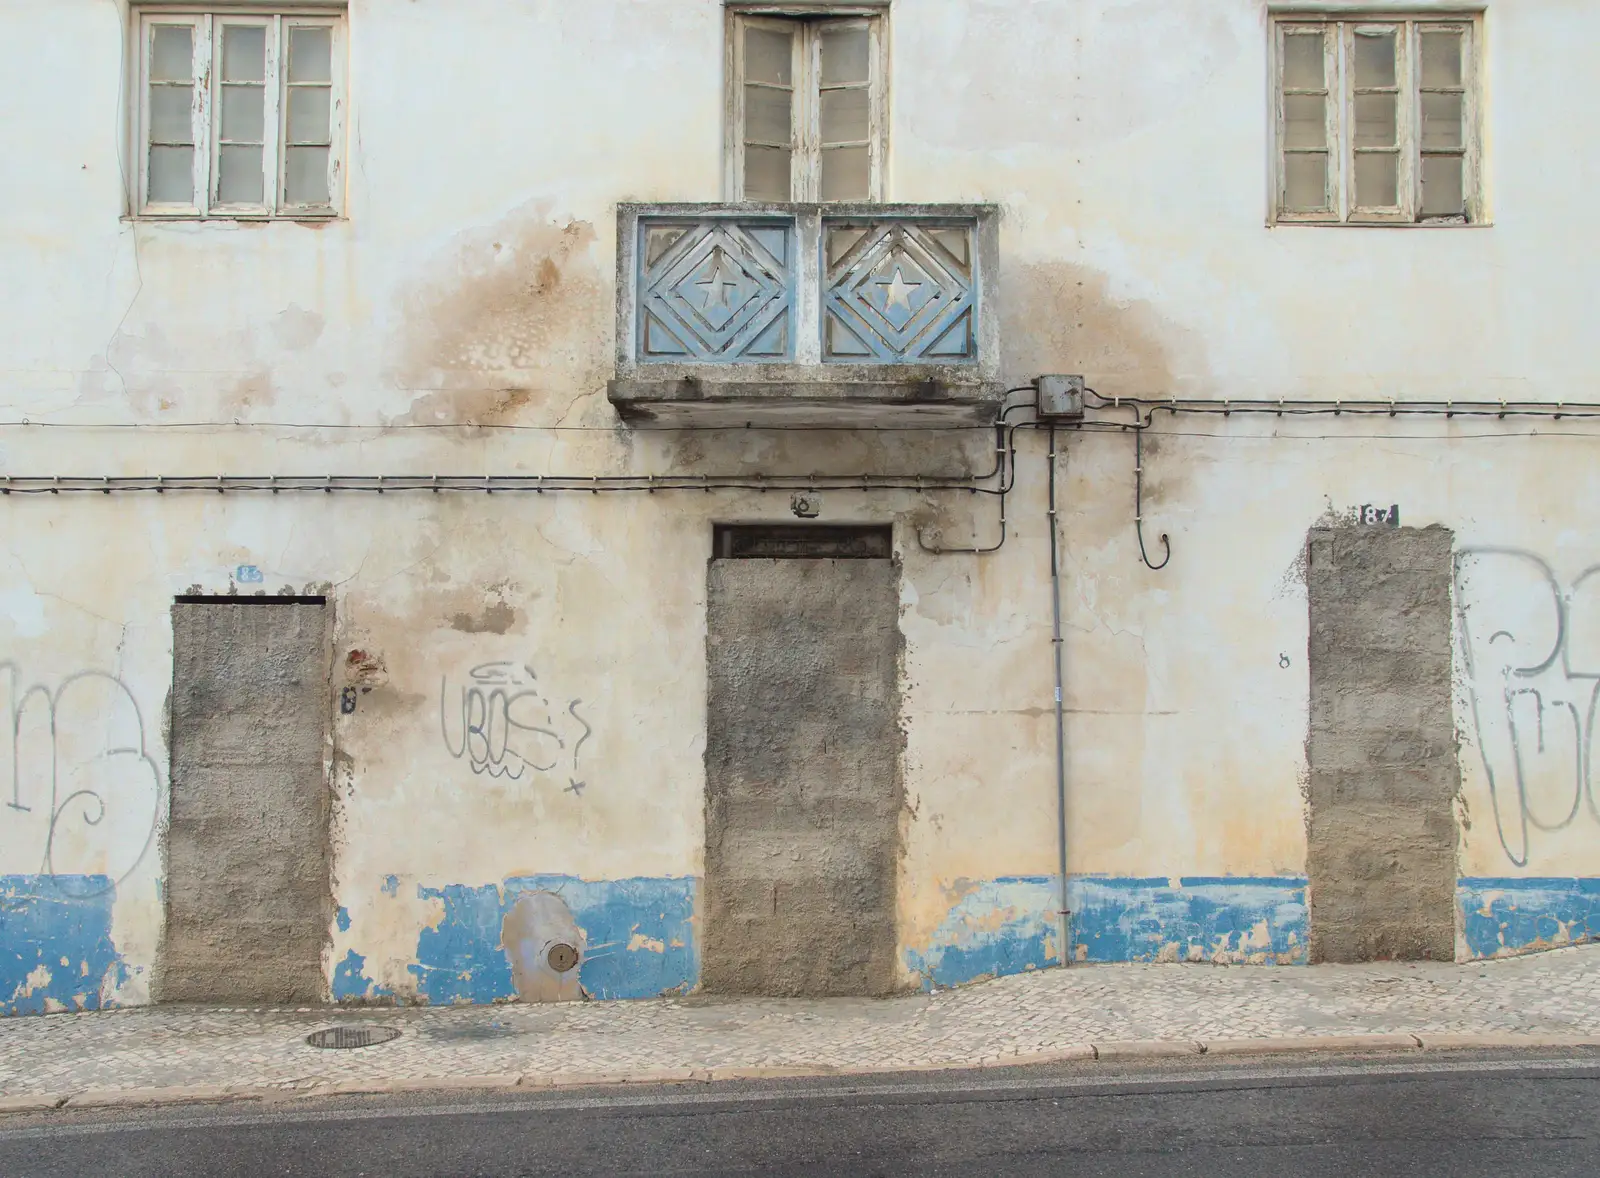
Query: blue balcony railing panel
716	290
899	291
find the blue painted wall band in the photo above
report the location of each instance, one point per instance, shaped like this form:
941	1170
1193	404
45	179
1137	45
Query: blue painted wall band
55	942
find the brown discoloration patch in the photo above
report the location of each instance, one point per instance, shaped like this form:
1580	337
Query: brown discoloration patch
1059	317
496	618
251	391
515	315
296	328
472	615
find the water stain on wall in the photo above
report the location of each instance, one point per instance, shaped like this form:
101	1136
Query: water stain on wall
496	617
1061	317
511	316
252	391
296	329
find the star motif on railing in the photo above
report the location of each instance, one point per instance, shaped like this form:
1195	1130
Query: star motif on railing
897	291
716	287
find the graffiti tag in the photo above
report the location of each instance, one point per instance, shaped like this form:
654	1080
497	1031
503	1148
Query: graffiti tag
1531	652
84	795
504	725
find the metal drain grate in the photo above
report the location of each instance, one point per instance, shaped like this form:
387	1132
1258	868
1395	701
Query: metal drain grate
347	1037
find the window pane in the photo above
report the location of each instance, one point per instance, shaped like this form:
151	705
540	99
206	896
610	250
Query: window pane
766	115
1302	61
171	108
244	53
1305	122
171	53
1441	59
1377	180
310	54
844	56
1305	182
845	173
306	176
1441	120
243	114
240	178
1441	186
172	175
1375	120
844	116
309	108
766	173
767	57
1375	59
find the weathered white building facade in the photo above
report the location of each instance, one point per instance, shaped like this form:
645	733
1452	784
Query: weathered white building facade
401	592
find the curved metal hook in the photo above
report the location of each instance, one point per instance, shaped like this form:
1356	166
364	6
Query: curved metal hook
1138	505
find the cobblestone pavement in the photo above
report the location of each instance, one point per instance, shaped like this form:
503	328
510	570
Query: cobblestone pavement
1554	994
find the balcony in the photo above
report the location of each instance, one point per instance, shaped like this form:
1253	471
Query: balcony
849	315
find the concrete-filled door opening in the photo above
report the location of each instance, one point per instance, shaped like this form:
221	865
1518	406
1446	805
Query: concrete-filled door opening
248	895
803	776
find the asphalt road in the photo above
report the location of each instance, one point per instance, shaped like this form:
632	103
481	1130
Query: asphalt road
1522	1116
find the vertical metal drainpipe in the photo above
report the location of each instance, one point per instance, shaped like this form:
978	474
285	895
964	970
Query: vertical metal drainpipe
1064	915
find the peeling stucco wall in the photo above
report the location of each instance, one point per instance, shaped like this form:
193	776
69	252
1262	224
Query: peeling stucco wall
524	675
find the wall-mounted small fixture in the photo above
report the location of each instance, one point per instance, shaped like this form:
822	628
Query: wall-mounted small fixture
1059	396
806	504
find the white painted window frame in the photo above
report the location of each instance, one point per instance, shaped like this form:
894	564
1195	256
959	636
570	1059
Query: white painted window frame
805	25
1339	29
208	24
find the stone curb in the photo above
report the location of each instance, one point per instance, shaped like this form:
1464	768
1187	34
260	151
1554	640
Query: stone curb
42	1102
1131	1049
177	1094
1303	1043
1148	1049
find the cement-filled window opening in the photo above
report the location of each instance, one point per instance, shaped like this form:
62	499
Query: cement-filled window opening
239	114
802	542
1376	119
806	106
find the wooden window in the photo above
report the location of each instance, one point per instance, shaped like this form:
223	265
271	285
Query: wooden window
241	114
806	108
1376	120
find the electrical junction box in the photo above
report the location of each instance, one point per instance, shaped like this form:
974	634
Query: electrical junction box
1059	396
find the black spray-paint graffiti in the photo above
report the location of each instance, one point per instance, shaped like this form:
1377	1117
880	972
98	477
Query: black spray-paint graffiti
1531	653
84	795
505	725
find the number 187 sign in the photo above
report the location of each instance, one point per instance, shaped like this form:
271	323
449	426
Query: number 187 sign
1382	517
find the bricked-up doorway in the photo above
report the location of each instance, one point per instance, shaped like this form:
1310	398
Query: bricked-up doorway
247	889
803	787
1381	825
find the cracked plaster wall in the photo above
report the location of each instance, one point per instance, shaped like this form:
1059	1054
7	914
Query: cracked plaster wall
472	288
